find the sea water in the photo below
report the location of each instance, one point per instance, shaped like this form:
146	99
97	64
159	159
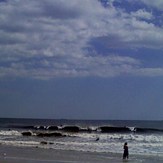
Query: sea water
147	141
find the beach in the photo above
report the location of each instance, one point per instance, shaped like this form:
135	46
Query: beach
60	141
11	154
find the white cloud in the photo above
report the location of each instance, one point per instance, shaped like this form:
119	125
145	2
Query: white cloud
142	14
45	39
154	3
85	66
152	72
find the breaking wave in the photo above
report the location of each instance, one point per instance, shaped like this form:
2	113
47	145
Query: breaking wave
102	129
94	139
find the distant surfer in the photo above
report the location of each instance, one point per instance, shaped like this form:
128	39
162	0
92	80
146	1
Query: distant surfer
125	154
97	139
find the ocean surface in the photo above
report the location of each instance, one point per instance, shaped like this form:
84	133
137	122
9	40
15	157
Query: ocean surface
144	137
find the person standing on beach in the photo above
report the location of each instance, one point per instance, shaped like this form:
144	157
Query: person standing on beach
125	154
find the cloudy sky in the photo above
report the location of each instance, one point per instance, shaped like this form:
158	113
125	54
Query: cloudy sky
81	59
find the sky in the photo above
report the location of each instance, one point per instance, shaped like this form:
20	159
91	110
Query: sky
81	59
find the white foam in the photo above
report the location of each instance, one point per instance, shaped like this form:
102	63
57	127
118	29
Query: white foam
132	129
107	142
12	132
19	143
138	144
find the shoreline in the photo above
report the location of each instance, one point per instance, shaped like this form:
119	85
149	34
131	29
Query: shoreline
12	154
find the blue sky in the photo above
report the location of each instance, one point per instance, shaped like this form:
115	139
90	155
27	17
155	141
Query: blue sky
81	59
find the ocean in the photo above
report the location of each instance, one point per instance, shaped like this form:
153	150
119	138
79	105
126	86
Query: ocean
144	138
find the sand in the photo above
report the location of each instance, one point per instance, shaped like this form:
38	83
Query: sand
34	155
10	154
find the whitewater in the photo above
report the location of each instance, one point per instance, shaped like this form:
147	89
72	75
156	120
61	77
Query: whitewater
144	138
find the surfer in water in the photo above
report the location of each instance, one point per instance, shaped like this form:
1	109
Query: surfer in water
125	154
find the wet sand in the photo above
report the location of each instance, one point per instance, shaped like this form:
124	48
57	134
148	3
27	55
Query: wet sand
10	154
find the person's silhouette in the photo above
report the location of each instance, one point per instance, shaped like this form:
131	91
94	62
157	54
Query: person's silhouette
125	153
